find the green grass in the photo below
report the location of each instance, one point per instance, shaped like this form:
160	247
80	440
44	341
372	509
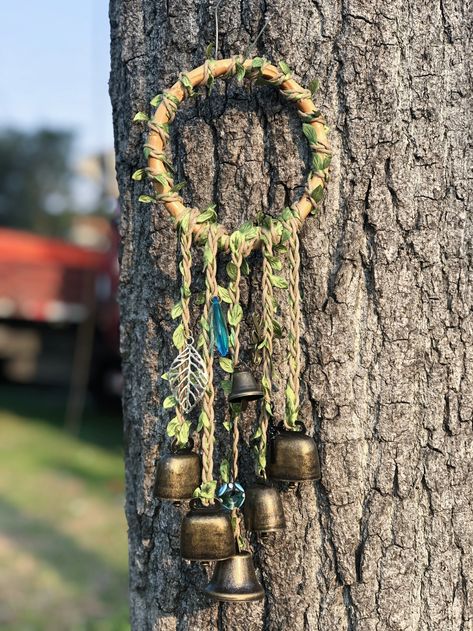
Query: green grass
63	555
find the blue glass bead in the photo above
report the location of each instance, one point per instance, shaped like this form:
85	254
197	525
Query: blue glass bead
219	327
231	495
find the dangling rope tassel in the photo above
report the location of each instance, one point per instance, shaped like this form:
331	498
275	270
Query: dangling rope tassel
236	245
292	389
208	427
267	349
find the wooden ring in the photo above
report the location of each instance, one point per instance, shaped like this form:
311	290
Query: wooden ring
177	93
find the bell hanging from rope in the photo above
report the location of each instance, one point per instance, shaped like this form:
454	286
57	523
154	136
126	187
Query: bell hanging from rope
263	509
293	455
244	388
178	475
234	580
206	533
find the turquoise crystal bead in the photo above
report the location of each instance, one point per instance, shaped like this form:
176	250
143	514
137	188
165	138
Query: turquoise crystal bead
231	495
219	328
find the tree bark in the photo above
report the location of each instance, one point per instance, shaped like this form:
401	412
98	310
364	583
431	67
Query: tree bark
385	540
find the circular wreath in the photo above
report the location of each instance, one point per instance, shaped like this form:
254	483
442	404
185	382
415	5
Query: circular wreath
167	104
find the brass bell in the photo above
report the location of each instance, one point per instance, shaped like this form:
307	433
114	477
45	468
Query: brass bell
293	455
244	387
234	580
206	533
263	509
178	475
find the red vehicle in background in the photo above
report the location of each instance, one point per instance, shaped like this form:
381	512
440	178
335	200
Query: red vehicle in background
58	311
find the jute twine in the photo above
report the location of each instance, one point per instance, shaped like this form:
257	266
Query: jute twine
211	290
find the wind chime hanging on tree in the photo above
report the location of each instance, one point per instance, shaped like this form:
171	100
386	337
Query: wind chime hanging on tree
212	530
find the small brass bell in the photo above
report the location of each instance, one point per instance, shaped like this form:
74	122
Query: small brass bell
206	533
263	509
234	580
178	475
293	455
244	387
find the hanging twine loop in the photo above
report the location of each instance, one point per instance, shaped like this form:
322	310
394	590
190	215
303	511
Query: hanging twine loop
267	349
292	389
208	422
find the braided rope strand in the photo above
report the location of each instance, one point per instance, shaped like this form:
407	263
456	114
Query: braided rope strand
292	406
211	289
267	350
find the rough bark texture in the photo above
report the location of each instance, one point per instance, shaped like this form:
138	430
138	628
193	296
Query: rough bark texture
385	540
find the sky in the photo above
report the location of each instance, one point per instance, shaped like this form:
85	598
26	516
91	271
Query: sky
54	69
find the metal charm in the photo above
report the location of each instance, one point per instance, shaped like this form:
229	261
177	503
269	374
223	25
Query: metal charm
293	456
188	377
263	508
178	475
206	533
234	580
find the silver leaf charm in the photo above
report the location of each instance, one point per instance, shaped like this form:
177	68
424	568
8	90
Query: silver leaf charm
188	377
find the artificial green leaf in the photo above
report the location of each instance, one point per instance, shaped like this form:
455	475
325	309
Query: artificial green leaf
203	421
207	490
169	402
226	386
200	298
146	199
208	215
257	62
165	376
232	270
176	310
236	241
209	50
279	281
224	295
208	255
178	337
258	433
245	268
309	133
240	71
277	329
177	187
275	263
326	162
285	235
285	68
138	174
225	470
204	324
140	116
184	431
226	364
156	100
317	193
173	427
235	315
227	425
262	460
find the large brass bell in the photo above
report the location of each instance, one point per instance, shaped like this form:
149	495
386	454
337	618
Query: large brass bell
178	475
263	509
293	455
206	533
244	387
234	580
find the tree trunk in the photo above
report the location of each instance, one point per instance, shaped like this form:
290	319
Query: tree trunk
385	540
